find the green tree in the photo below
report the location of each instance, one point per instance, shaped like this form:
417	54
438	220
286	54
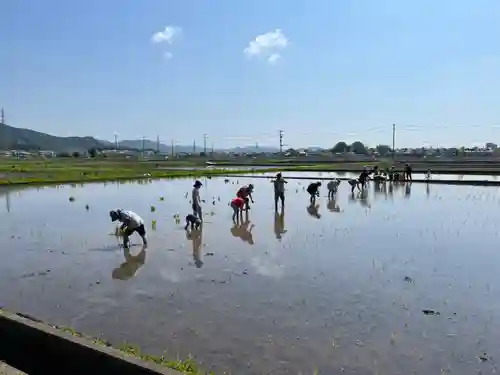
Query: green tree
358	148
76	154
92	152
383	150
340	148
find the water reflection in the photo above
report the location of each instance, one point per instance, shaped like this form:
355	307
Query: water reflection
313	211
196	238
132	263
243	229
408	189
291	304
279	224
332	205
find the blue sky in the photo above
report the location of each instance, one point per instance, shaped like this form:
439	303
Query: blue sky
349	70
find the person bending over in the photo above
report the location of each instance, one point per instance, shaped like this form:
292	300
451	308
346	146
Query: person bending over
193	220
131	222
313	190
245	193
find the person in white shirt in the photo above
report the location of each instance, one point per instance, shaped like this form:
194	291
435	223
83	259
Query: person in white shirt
131	222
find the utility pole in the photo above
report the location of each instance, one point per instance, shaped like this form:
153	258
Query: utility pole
142	145
213	149
205	144
194	146
281	141
116	141
393	141
158	144
172	148
2	118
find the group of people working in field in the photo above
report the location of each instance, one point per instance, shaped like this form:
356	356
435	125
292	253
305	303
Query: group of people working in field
133	223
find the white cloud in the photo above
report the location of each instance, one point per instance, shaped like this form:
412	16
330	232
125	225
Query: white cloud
167	35
267	45
273	59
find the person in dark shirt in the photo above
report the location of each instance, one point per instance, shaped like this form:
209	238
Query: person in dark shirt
313	190
408	171
192	220
363	178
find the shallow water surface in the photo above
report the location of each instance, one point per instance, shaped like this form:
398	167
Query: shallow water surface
339	287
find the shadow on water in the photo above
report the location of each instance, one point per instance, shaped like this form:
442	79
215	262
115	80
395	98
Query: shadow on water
356	292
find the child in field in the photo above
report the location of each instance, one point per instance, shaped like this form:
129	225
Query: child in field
196	200
131	222
332	187
245	193
237	204
192	220
279	191
428	175
313	190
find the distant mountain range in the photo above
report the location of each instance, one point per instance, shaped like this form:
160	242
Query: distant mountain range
27	139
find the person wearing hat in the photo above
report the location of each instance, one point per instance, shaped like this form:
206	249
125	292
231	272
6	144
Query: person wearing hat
196	200
131	222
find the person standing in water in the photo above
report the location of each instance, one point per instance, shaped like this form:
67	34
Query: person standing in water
196	200
237	204
408	172
131	222
279	191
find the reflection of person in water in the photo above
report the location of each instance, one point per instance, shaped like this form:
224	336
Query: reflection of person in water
332	205
279	223
132	263
361	197
312	210
196	237
243	230
408	190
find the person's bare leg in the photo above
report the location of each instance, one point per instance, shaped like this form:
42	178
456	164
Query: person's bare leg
126	240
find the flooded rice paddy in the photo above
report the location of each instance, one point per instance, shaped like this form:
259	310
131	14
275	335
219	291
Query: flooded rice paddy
402	280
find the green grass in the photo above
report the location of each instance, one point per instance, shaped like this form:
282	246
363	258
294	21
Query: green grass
188	366
45	172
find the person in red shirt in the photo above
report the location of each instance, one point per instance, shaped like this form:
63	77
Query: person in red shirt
245	193
237	205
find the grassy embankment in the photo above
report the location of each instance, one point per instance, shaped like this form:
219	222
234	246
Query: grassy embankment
187	367
13	172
